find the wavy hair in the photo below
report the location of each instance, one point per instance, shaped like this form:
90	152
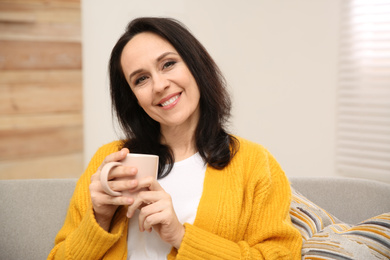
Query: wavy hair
143	135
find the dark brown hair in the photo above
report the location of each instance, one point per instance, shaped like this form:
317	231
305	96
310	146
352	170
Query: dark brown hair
143	135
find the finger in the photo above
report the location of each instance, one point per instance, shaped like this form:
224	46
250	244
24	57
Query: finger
123	184
95	177
150	183
124	178
133	207
120	171
114	157
120	200
144	198
146	212
152	220
117	156
103	199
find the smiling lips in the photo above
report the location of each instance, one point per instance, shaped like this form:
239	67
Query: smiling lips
170	101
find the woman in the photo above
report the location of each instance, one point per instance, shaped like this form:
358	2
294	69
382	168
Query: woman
217	196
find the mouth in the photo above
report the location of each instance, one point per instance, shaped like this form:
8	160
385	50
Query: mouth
170	101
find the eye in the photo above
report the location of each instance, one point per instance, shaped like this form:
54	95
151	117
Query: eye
140	80
168	64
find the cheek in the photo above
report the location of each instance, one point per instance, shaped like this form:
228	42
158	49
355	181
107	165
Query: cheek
190	82
142	98
195	89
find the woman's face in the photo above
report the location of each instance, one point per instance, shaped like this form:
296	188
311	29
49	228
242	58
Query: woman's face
161	81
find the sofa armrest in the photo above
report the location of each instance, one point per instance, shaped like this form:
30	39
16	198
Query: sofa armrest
31	213
349	199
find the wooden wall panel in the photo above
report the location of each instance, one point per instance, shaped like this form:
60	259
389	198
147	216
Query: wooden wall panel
44	32
56	166
34	91
40	12
41	123
26	55
40	76
59	3
40	98
32	143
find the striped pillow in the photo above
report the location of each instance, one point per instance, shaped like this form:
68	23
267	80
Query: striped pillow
326	237
307	217
368	240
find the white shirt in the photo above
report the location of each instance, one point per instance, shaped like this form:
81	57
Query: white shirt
185	185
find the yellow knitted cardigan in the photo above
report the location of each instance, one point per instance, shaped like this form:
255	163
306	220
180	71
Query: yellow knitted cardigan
243	214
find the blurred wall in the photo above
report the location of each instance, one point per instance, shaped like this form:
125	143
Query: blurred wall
279	58
41	104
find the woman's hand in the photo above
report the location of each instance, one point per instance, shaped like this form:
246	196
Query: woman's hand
156	210
105	205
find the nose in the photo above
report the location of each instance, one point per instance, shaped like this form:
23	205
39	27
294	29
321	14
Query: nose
161	83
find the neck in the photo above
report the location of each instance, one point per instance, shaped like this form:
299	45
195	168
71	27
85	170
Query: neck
181	141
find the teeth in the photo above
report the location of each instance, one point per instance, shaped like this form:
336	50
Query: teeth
170	101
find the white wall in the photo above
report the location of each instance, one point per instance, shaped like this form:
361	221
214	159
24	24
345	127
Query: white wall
279	57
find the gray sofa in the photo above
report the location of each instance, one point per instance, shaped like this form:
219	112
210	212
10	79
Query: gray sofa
32	211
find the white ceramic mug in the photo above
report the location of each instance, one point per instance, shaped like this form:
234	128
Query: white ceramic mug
146	164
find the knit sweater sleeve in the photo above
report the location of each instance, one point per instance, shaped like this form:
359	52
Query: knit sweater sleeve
264	229
81	237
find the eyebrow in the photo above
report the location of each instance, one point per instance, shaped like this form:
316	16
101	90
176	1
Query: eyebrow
162	56
159	58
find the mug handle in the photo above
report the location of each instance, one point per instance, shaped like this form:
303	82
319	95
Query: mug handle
103	178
